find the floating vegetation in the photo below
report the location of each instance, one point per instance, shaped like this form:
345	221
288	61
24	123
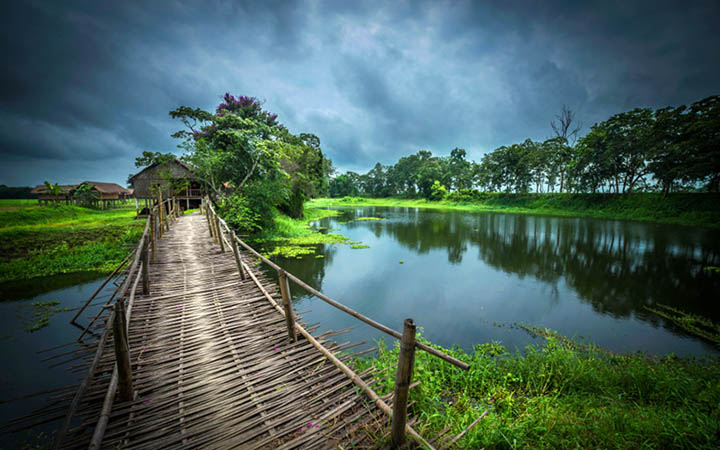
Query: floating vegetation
548	334
699	326
41	314
713	269
319	256
359	246
369	218
401	262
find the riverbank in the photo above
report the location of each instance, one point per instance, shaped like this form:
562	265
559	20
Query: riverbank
39	241
562	396
701	210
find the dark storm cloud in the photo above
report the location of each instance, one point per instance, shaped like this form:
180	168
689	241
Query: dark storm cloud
85	87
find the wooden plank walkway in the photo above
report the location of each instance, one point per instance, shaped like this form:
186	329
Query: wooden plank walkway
213	366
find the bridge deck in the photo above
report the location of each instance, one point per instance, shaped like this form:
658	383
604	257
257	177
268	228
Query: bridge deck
213	366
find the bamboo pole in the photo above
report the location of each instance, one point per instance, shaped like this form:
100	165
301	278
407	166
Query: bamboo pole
403	378
454	361
152	236
236	252
160	212
287	304
219	234
122	353
145	266
355	378
97	291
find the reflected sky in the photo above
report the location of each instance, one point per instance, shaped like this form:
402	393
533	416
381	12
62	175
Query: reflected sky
466	278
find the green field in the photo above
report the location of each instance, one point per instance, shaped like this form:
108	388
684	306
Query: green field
38	241
562	395
682	209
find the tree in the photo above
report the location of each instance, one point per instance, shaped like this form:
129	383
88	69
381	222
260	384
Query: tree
702	135
150	158
562	125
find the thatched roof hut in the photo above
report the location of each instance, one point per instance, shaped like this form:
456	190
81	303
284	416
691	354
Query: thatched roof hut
174	178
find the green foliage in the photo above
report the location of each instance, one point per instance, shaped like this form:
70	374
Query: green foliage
687	209
39	241
150	158
665	150
242	152
437	191
558	396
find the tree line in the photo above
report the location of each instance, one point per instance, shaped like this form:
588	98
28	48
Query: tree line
665	150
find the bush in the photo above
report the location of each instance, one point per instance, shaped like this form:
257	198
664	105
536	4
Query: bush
437	191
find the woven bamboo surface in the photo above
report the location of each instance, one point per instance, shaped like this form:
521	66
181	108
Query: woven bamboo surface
213	366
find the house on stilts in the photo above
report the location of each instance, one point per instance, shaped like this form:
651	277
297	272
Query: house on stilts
173	179
88	193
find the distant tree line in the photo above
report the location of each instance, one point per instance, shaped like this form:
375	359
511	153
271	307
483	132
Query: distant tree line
15	192
665	150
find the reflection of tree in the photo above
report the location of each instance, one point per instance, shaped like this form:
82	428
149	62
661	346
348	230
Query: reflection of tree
617	267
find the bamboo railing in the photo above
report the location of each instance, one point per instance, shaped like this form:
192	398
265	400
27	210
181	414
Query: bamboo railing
403	379
119	318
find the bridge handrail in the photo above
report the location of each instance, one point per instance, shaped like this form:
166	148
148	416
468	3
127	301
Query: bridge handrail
139	264
385	329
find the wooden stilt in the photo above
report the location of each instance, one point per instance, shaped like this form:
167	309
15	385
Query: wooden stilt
287	304
219	234
238	258
152	236
403	379
122	354
146	267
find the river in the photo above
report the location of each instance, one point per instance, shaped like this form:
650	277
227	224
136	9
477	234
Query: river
469	278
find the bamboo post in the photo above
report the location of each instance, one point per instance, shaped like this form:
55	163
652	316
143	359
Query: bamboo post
403	378
145	267
287	305
219	234
160	214
122	353
209	221
238	258
152	236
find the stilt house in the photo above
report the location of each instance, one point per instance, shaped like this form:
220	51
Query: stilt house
173	179
103	194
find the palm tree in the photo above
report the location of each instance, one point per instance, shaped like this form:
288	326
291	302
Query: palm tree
55	190
85	194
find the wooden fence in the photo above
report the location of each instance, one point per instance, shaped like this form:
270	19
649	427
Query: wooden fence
227	239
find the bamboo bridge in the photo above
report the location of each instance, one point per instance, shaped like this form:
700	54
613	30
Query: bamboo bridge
198	348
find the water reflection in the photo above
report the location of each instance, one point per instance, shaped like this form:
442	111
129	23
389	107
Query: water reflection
505	267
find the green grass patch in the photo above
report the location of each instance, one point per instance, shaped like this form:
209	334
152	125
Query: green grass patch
42	241
190	211
293	238
685	209
560	396
369	218
359	246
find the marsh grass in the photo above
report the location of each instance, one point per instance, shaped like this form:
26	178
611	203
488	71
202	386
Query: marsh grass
293	238
561	396
41	241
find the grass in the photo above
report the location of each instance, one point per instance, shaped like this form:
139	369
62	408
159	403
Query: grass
562	396
40	241
293	238
683	209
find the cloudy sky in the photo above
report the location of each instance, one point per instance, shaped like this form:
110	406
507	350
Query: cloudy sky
86	87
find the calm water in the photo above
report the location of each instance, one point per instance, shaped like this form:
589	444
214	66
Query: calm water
466	277
23	370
